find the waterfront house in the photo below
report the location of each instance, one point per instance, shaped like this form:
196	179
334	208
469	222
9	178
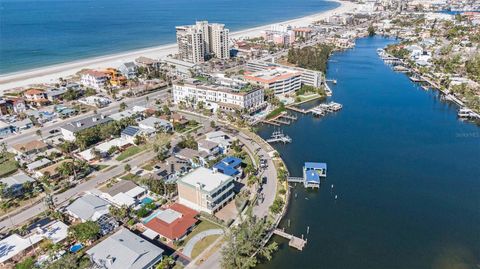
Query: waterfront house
128	69
205	190
35	97
69	130
94	79
172	223
312	172
125	249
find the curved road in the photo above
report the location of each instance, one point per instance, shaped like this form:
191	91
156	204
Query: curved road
187	251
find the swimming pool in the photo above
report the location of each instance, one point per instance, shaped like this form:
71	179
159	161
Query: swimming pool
76	248
146	201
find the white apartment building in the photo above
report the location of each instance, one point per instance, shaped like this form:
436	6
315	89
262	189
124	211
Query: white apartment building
217	96
282	79
201	41
205	190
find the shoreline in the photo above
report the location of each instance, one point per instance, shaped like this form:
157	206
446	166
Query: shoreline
51	73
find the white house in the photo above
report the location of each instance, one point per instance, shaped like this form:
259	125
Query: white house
94	79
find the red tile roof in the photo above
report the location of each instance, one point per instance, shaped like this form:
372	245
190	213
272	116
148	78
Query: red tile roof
33	92
177	228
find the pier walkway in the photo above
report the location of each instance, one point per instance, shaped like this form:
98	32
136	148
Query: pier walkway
295	242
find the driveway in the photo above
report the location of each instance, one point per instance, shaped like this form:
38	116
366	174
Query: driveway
187	251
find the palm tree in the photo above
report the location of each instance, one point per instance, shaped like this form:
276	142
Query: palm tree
38	132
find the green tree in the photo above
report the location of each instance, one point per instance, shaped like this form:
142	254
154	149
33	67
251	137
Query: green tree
27	263
84	232
244	241
119	213
123	106
127	168
166	263
371	30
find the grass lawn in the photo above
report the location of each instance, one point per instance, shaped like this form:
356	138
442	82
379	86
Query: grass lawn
203	226
203	244
8	165
130	176
309	97
101	167
148	166
129	152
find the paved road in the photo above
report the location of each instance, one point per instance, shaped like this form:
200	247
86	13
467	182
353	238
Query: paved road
29	134
187	250
268	191
97	179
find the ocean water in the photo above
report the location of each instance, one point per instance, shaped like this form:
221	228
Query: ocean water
405	169
35	33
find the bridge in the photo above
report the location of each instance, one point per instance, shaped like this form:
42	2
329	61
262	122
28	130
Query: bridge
295	242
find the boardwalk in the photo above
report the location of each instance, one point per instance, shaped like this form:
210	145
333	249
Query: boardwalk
295	242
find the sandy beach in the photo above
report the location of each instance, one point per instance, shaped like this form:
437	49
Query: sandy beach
50	74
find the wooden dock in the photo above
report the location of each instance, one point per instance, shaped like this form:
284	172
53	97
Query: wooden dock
295	179
295	242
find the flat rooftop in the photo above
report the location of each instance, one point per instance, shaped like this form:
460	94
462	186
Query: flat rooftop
207	179
272	74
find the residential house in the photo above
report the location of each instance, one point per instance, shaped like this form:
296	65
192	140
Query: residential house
125	249
230	166
171	168
210	147
221	138
130	134
37	165
128	69
124	193
196	158
5	129
98	101
14	184
205	190
30	147
51	171
21	125
35	97
69	130
14	247
88	207
172	223
17	104
152	125
55	94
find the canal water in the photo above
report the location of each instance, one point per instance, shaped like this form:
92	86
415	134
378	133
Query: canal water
406	172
